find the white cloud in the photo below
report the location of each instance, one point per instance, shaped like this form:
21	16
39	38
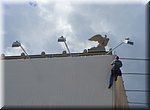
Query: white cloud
13	51
41	26
1	29
62	26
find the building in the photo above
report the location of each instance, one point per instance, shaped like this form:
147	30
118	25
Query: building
62	80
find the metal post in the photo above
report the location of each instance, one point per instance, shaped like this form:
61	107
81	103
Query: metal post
114	48
24	51
67	47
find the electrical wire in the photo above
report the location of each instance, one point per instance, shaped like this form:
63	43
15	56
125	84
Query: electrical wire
137	91
137	103
145	59
135	74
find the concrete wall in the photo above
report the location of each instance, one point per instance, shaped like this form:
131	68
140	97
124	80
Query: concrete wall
120	95
77	81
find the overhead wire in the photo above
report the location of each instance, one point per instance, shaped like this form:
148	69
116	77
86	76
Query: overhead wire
137	90
142	91
145	59
138	103
137	59
135	74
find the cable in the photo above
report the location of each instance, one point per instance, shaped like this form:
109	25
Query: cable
138	103
135	74
137	91
135	59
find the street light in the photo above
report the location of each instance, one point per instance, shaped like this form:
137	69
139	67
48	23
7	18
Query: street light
62	39
18	44
127	41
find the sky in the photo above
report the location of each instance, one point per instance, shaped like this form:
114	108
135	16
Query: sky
38	28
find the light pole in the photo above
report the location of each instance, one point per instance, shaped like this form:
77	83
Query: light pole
18	44
127	41
62	39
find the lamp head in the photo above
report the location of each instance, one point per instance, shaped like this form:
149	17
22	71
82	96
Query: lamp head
131	43
16	44
127	41
61	39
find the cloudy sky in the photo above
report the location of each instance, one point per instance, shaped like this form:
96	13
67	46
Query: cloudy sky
37	24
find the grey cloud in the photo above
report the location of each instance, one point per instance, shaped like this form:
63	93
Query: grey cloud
38	28
24	23
85	20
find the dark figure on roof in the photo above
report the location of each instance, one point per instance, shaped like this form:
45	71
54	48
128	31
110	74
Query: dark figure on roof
115	71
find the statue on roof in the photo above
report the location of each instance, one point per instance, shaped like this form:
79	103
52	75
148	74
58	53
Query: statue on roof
103	41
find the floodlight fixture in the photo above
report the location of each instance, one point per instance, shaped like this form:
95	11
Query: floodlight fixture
18	44
126	41
62	39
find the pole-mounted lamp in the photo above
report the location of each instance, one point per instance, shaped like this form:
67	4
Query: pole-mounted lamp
62	39
18	44
126	41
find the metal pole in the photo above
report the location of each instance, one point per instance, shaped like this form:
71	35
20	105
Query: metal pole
67	47
24	50
114	48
